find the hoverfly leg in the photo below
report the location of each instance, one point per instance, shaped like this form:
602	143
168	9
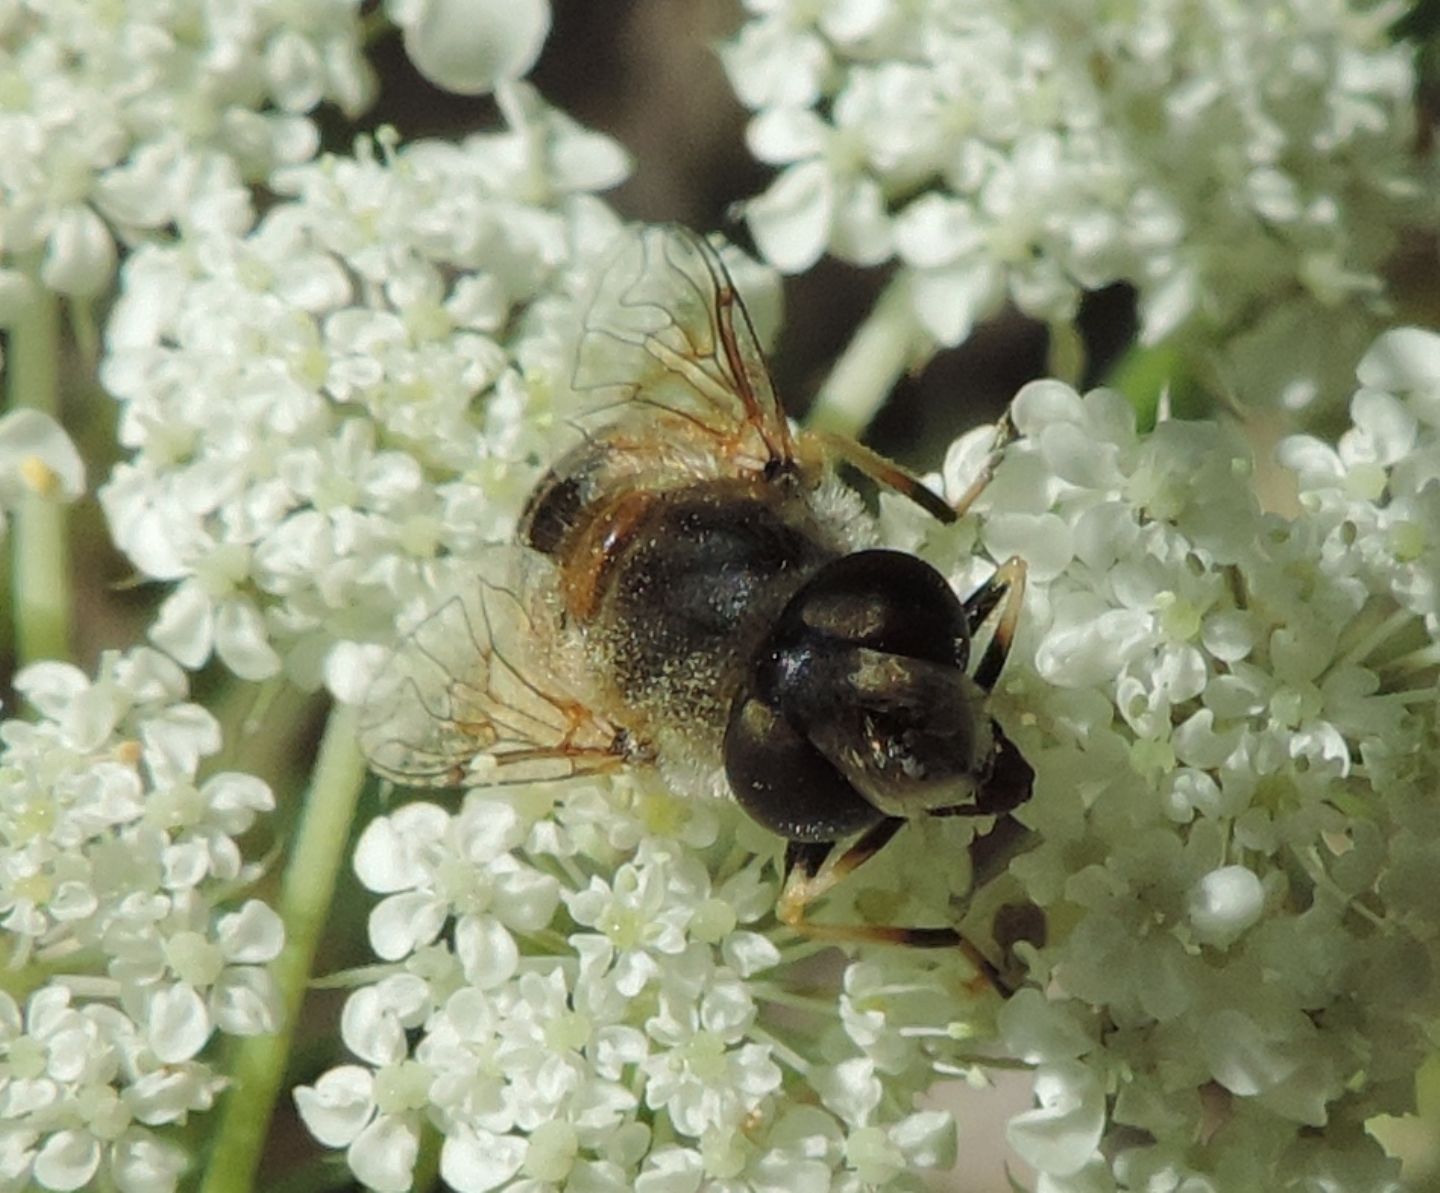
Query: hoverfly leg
832	445
1004	432
812	869
1007	584
1009	782
981	603
885	472
803	860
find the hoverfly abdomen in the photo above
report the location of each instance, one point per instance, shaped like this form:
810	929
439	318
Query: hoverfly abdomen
552	512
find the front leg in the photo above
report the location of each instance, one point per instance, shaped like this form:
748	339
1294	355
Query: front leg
813	868
1006	585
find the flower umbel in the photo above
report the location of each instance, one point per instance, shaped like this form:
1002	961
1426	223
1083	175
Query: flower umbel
102	145
1229	721
117	877
1246	169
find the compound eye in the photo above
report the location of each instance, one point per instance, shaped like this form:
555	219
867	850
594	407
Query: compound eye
784	782
887	601
908	734
867	665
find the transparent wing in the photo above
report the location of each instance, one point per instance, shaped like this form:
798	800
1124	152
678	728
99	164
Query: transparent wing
666	331
467	698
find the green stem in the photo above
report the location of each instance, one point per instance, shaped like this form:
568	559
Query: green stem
1408	664
375	25
878	353
321	843
41	551
427	1162
1066	355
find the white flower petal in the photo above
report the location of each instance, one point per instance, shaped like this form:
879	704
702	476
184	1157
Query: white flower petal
472	46
80	255
185	625
246	1002
241	641
370	1029
1061	1136
784	135
178	738
142	1163
1402	360
1042	540
791	220
402	923
178	1023
524	899
295	71
488	953
1088	653
68	1160
1243	1056
474	1161
337	1106
1037	1030
251	935
383	1155
389	855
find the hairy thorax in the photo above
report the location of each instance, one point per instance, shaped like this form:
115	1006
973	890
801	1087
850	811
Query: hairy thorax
672	589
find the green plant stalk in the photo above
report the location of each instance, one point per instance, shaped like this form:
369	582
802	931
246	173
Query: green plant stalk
259	1063
1066	355
879	352
40	579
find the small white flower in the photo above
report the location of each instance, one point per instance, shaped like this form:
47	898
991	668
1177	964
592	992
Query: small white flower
822	201
36	458
433	866
633	912
374	1114
702	1073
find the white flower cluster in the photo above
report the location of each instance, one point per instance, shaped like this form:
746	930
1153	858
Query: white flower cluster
319	409
122	120
1231	716
1245	167
583	1024
113	863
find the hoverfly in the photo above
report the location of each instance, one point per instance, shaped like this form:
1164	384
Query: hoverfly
691	587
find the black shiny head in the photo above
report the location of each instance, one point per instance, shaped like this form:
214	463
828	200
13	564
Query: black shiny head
857	705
